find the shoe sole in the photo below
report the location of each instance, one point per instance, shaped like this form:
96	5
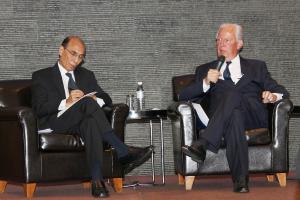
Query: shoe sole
244	190
100	196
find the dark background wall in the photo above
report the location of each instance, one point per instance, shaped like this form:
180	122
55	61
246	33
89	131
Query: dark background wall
150	41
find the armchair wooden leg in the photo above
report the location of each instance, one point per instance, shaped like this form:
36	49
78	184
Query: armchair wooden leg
87	184
118	184
2	186
270	178
29	189
181	179
281	179
189	180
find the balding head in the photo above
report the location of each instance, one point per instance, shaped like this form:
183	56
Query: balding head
71	52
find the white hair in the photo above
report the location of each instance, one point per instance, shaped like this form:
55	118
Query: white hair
238	30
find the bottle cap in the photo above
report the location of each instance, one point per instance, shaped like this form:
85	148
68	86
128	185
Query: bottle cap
140	83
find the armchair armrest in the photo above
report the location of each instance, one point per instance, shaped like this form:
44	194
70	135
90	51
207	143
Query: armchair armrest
280	131
280	120
118	119
182	116
183	130
18	144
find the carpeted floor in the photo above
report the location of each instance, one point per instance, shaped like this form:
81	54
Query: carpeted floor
206	188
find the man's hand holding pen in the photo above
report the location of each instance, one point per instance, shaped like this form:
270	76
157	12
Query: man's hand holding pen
74	96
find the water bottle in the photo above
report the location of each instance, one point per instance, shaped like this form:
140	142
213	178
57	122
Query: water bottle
140	99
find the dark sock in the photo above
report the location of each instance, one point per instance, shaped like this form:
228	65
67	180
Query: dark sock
96	171
113	140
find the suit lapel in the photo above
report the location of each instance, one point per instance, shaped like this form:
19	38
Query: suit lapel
57	79
247	74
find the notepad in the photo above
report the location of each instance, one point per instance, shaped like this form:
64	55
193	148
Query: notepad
86	95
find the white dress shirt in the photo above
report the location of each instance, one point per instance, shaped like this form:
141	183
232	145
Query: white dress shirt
65	79
62	105
235	74
234	69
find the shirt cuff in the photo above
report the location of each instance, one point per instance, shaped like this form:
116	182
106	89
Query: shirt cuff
100	102
62	105
205	86
278	95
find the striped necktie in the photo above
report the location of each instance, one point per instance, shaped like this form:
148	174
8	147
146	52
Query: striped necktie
226	73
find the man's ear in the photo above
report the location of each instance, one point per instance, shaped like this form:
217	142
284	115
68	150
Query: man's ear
61	49
240	45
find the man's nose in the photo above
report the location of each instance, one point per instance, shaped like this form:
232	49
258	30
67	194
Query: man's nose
77	58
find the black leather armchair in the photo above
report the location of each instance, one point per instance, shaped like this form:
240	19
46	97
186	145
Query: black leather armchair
268	148
30	158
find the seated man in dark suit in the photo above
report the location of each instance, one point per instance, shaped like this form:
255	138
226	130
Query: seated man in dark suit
238	93
57	100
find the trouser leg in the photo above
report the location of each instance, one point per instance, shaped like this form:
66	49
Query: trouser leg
236	146
219	120
93	146
87	118
84	108
113	140
88	107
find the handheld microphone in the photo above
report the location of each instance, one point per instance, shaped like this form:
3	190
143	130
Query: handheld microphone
221	60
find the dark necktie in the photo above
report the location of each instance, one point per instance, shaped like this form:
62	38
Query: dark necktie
226	73
71	84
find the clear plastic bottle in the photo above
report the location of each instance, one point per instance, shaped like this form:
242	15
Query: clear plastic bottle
140	98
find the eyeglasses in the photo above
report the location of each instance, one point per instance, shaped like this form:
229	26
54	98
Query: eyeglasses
76	55
223	41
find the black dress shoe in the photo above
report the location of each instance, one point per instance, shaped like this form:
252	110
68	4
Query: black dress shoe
99	190
196	152
135	157
241	185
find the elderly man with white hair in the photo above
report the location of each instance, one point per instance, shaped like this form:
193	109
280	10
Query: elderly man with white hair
238	91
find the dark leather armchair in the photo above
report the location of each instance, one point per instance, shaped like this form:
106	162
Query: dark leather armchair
30	158
268	148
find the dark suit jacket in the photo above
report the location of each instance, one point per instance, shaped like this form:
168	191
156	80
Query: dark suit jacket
48	91
255	80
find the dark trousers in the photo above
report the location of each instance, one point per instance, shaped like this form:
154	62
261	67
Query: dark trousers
88	119
229	121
